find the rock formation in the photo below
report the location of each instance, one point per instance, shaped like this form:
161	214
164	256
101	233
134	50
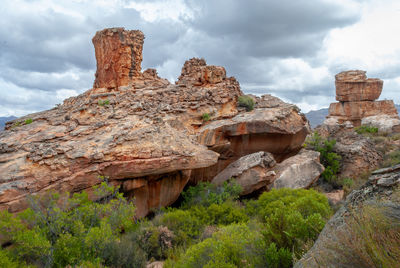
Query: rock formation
251	172
299	171
331	249
358	103
118	56
140	132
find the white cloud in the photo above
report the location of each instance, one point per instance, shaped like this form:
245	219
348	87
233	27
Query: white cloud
159	10
372	44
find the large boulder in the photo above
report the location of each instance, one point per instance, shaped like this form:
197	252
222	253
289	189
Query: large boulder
137	131
251	172
354	86
359	154
332	248
384	122
356	111
299	171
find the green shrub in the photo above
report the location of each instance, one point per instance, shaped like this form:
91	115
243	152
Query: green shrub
278	258
205	117
233	246
57	230
156	241
28	121
328	157
366	129
292	217
103	102
220	214
184	225
205	194
247	102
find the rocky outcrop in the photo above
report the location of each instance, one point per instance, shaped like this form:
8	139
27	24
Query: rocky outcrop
357	104
279	129
354	86
299	171
138	131
119	57
251	172
359	154
329	250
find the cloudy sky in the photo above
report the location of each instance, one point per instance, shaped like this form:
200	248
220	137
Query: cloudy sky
290	49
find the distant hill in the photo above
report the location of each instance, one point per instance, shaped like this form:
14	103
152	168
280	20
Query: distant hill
3	121
317	117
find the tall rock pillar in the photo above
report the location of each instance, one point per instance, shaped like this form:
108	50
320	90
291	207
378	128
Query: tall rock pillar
118	56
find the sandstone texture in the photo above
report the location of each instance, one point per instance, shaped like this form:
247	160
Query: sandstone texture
357	96
140	132
299	171
118	56
329	250
354	86
277	128
359	154
335	197
251	172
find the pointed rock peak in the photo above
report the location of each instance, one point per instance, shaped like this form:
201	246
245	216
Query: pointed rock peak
119	57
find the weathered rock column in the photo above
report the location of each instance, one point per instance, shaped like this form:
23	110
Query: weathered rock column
118	56
357	96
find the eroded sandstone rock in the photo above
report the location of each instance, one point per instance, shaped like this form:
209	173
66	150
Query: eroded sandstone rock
118	55
359	154
354	86
138	131
251	172
280	130
299	171
357	101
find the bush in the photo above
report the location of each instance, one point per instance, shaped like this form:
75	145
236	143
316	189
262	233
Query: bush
220	214
292	217
103	102
184	225
247	102
205	194
233	246
328	157
156	241
28	121
366	129
58	230
205	117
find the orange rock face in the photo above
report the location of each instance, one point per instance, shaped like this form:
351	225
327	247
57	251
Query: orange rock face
357	103
354	86
355	111
118	56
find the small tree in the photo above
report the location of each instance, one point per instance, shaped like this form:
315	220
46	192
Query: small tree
328	157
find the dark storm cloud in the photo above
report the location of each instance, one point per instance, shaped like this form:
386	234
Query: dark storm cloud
271	28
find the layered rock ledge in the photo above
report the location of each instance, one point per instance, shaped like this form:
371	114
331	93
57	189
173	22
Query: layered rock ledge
357	96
